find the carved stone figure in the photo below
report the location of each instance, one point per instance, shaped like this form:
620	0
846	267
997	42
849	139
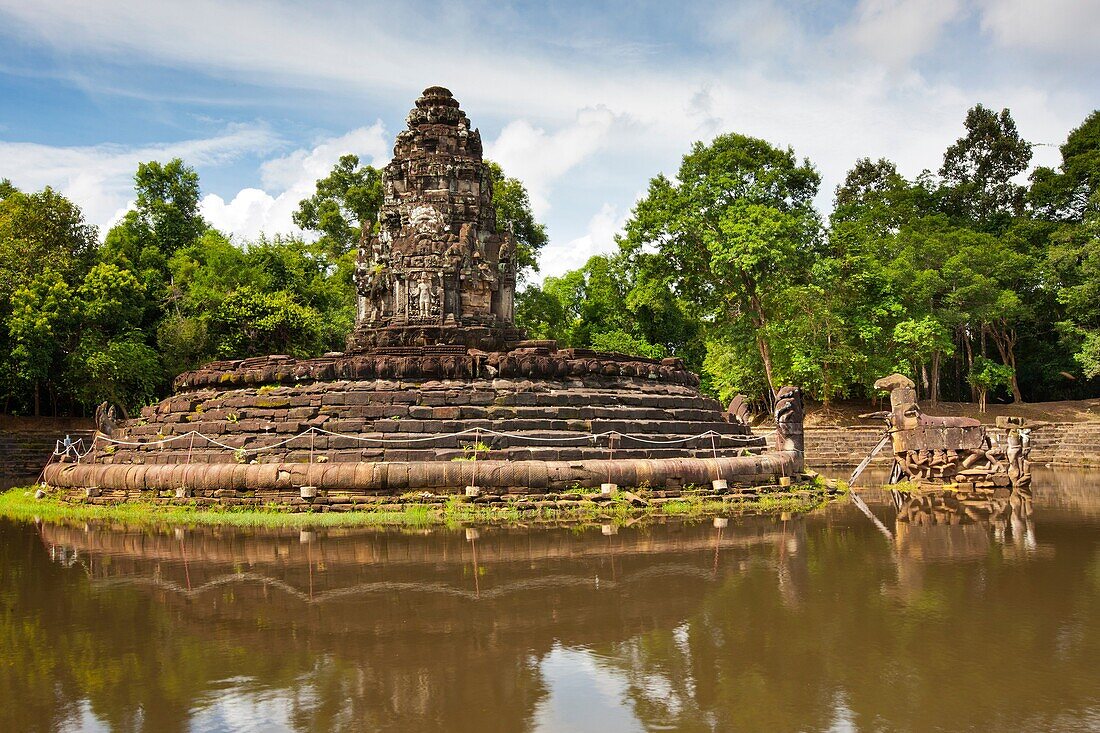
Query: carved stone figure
789	415
950	449
424	295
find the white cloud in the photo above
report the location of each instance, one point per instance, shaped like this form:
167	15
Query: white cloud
894	32
288	180
1059	27
756	27
539	158
598	239
756	67
99	178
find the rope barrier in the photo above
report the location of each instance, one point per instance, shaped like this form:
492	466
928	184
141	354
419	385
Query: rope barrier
73	449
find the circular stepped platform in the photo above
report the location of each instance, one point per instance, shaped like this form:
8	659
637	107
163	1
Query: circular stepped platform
604	410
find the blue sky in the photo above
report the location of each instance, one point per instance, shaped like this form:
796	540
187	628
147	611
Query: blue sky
582	101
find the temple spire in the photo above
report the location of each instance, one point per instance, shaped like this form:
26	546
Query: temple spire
437	271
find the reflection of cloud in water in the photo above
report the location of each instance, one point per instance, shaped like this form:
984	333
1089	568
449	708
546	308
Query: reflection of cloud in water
240	708
584	695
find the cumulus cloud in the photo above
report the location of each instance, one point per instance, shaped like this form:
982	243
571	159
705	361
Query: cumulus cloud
871	86
100	178
289	179
894	32
539	158
1058	27
599	238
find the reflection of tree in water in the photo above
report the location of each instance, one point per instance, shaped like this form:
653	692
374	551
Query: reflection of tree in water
1007	644
797	625
62	642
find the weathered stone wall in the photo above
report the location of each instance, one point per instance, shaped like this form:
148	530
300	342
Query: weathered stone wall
26	445
1060	444
417	420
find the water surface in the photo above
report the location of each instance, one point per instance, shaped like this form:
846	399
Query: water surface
962	620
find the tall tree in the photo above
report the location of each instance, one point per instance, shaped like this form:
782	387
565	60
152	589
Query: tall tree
734	231
514	214
168	203
978	169
344	206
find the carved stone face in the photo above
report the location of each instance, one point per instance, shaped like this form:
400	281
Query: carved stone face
426	221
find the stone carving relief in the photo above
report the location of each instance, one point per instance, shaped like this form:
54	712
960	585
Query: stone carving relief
437	270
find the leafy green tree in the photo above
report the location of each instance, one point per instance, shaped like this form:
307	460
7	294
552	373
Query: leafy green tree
39	228
38	327
1069	199
1065	194
45	249
621	342
920	341
122	369
344	205
252	323
979	168
734	232
514	214
987	375
167	204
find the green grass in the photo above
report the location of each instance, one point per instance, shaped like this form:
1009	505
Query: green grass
20	504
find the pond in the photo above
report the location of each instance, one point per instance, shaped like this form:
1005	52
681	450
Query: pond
958	621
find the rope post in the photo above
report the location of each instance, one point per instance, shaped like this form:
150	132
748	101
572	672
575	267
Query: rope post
309	492
473	490
190	447
719	483
609	488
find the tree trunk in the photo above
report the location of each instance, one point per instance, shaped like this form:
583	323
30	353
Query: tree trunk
970	366
766	356
760	322
37	402
934	392
1005	341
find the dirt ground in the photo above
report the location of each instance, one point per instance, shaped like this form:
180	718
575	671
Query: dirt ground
847	413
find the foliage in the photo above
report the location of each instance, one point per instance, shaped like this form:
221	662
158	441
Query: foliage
625	343
987	375
249	322
978	170
514	214
344	205
735	231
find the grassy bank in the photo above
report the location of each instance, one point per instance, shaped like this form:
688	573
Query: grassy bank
21	504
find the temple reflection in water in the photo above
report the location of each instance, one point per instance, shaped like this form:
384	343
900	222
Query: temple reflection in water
779	623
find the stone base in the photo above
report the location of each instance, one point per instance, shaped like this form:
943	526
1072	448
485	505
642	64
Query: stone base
525	477
523	419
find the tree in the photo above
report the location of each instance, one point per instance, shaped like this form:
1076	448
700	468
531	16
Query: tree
621	342
734	231
252	323
1064	194
344	206
514	214
921	341
39	228
979	167
987	375
37	328
1069	199
168	203
45	249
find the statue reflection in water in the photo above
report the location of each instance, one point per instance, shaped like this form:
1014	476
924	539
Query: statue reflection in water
942	526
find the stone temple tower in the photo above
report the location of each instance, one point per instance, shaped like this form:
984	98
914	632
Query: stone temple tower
437	273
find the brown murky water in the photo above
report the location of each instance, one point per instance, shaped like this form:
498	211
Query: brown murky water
816	623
